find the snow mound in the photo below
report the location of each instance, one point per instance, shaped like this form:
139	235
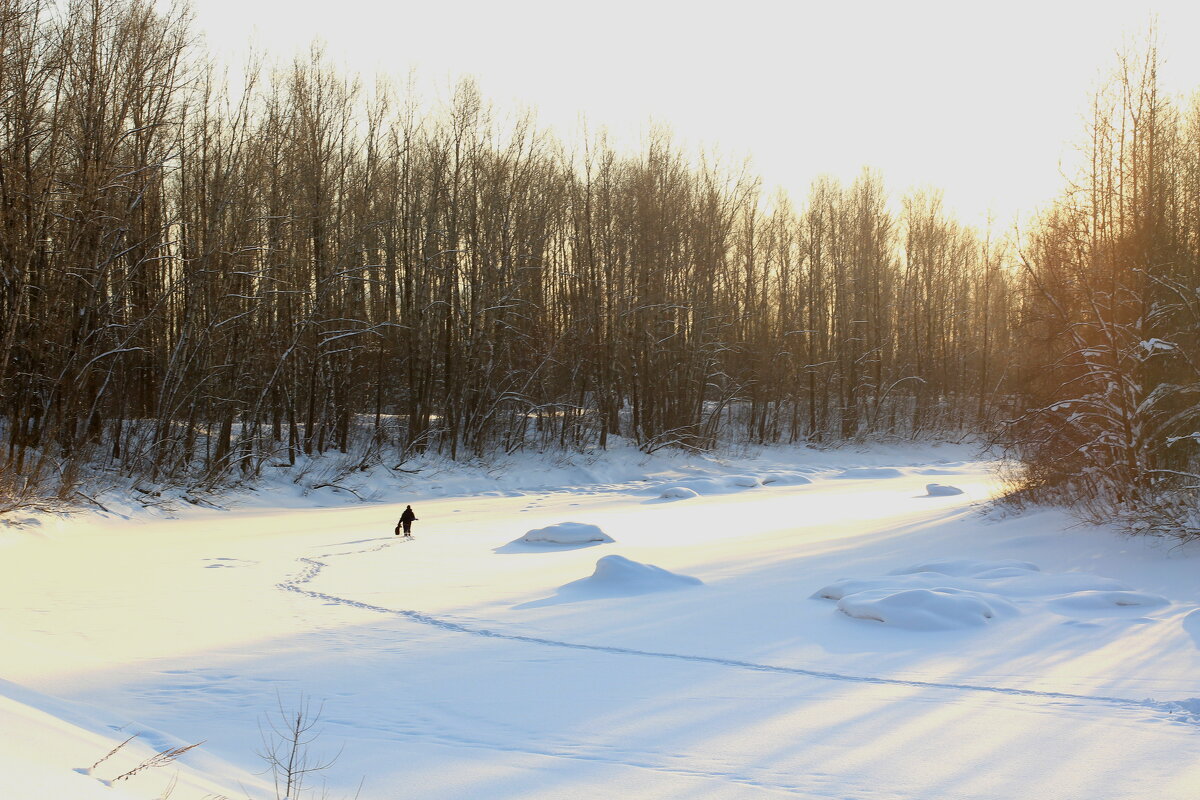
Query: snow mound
862	473
1102	601
941	490
1047	586
567	533
785	479
971	568
923	609
839	589
678	493
1008	578
937	595
725	484
617	575
743	481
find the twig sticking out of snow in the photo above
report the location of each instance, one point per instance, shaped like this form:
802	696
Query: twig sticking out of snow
159	759
113	752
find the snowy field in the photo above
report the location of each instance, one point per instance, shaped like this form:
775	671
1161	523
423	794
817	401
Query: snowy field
792	624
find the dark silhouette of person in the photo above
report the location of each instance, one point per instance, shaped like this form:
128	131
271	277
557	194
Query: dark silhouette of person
406	521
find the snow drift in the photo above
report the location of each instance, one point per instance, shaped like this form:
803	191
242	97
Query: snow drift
785	479
433	662
566	533
1101	601
924	609
941	490
955	593
972	568
678	493
709	485
618	576
869	473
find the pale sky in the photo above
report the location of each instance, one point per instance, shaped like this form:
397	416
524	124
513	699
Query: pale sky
983	100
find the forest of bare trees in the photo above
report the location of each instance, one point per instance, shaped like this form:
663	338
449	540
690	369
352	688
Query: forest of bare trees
202	277
1109	375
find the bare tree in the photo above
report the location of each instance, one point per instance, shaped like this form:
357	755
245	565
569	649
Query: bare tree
287	738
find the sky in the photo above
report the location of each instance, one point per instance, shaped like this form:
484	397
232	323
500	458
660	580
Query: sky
985	101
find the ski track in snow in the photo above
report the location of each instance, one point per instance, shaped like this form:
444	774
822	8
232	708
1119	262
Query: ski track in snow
1178	711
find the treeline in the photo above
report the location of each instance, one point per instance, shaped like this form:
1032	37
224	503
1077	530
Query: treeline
1110	370
195	282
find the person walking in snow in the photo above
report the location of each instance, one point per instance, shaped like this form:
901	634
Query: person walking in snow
406	521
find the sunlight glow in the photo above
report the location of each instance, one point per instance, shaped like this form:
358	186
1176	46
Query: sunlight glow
983	101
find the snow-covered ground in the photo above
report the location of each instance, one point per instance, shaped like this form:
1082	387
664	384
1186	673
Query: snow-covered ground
789	624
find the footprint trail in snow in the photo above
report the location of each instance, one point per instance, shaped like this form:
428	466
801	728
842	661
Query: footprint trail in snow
1183	710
